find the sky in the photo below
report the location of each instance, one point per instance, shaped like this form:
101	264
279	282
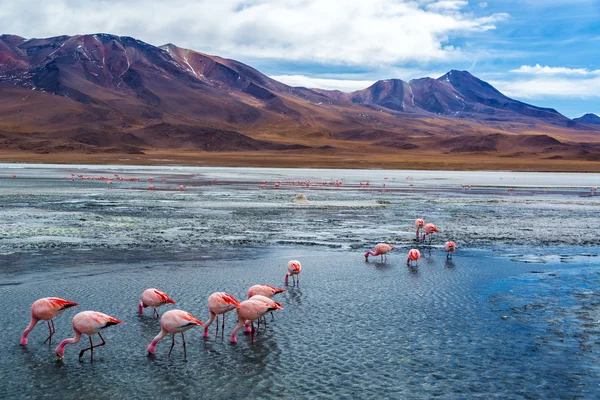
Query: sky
543	52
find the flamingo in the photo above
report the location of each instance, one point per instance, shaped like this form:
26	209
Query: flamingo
264	290
251	310
413	255
173	322
419	223
153	298
90	323
46	309
267	300
293	268
219	303
381	249
430	229
450	248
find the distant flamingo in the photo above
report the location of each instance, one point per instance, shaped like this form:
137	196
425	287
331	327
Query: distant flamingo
419	223
219	303
293	268
173	322
381	249
89	323
413	255
450	248
46	309
430	229
153	298
251	310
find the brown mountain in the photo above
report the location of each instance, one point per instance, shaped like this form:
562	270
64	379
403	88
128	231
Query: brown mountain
109	94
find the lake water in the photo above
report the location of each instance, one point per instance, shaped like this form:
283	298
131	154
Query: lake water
514	314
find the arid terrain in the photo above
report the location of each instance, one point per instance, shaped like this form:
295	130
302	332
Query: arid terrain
109	99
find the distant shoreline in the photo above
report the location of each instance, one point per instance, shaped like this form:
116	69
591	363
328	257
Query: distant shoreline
284	159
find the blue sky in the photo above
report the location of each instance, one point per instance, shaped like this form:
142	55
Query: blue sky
544	52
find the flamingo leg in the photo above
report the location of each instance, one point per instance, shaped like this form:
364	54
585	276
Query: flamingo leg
156	313
184	350
217	331
272	316
223	328
91	348
172	345
52	332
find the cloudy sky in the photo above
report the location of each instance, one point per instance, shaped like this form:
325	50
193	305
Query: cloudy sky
545	52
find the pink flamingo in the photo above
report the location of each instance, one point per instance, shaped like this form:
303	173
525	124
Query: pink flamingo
264	290
153	298
430	229
46	309
219	303
450	248
293	268
89	323
419	223
251	310
413	255
267	300
173	322
381	249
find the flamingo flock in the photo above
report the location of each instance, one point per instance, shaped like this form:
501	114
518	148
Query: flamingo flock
381	249
91	323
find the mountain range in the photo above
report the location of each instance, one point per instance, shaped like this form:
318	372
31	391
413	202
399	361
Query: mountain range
106	94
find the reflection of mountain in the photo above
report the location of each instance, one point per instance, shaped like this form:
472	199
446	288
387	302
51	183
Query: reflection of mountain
105	93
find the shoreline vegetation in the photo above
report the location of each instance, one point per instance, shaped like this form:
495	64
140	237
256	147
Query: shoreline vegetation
345	160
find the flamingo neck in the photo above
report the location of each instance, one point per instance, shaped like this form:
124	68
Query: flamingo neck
32	323
152	346
60	350
141	307
286	278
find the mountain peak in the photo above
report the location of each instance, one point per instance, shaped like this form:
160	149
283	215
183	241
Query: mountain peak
589	118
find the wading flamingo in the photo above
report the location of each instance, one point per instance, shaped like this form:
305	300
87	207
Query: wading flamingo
219	303
413	255
173	322
267	300
264	290
89	323
430	229
419	223
381	249
153	298
251	310
46	309
450	248
293	268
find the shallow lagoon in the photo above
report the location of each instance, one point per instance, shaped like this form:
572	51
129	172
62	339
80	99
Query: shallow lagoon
516	314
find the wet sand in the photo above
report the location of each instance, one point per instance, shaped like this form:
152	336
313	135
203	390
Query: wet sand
513	315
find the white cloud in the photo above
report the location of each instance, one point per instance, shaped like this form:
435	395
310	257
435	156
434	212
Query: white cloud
546	87
352	32
344	85
546	70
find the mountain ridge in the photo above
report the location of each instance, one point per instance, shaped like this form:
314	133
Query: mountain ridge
107	93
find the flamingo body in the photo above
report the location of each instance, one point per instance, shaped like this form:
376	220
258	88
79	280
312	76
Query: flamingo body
419	223
264	290
294	267
46	309
251	310
173	322
89	323
219	303
381	249
450	248
429	229
153	298
413	255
